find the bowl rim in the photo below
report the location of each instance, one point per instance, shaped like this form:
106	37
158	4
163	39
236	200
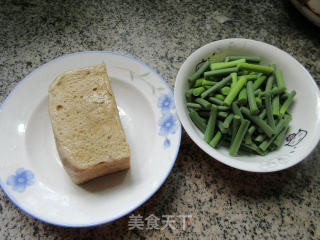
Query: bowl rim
190	128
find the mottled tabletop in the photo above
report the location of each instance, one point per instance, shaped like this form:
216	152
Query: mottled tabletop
203	198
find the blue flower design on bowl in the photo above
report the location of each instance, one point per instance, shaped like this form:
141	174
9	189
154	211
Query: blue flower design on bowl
21	180
165	103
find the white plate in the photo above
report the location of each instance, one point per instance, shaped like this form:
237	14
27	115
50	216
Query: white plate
31	173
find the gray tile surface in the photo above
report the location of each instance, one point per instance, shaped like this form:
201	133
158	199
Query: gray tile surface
224	203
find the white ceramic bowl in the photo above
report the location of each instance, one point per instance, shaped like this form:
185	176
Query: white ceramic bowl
304	128
309	10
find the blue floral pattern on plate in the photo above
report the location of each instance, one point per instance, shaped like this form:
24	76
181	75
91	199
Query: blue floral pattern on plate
168	121
21	180
165	103
167	124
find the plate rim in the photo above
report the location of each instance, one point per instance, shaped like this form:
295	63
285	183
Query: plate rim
179	132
